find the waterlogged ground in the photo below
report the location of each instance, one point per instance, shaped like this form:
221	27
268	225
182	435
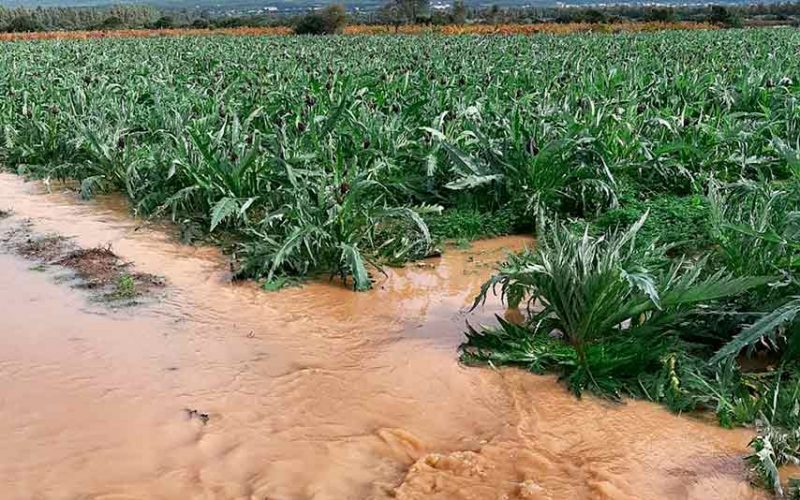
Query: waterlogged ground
224	391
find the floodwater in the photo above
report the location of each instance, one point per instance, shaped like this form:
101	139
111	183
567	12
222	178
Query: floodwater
314	392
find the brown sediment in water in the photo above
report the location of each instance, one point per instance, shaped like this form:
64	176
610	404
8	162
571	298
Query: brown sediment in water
224	391
562	448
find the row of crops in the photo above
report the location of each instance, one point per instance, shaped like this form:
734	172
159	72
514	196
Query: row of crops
661	173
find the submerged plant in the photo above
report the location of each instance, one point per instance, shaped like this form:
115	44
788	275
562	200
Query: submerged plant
339	239
777	441
794	489
619	305
125	287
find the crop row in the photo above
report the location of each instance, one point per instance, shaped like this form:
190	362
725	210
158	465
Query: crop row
322	155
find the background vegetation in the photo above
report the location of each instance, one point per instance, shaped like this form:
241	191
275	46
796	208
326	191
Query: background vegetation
391	12
328	21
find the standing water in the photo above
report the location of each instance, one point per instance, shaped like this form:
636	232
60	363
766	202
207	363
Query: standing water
221	390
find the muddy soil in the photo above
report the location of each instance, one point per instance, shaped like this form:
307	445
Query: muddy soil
97	269
222	390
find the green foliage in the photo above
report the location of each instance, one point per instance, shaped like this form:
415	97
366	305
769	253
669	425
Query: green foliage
471	224
661	14
163	22
200	24
22	24
756	230
724	16
757	226
565	175
22	19
405	11
279	283
684	346
794	489
125	287
681	222
459	14
511	344
618	304
777	441
772	329
330	156
621	318
330	20
112	23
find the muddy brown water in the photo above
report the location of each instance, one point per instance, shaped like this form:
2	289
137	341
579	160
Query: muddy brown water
314	392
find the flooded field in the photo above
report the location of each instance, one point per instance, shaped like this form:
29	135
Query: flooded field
221	390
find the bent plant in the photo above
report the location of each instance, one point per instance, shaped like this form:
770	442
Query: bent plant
777	441
617	305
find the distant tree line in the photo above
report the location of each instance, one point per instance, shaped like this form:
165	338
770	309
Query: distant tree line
419	11
21	19
399	12
332	19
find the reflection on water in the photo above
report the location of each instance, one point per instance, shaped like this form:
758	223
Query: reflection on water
313	392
